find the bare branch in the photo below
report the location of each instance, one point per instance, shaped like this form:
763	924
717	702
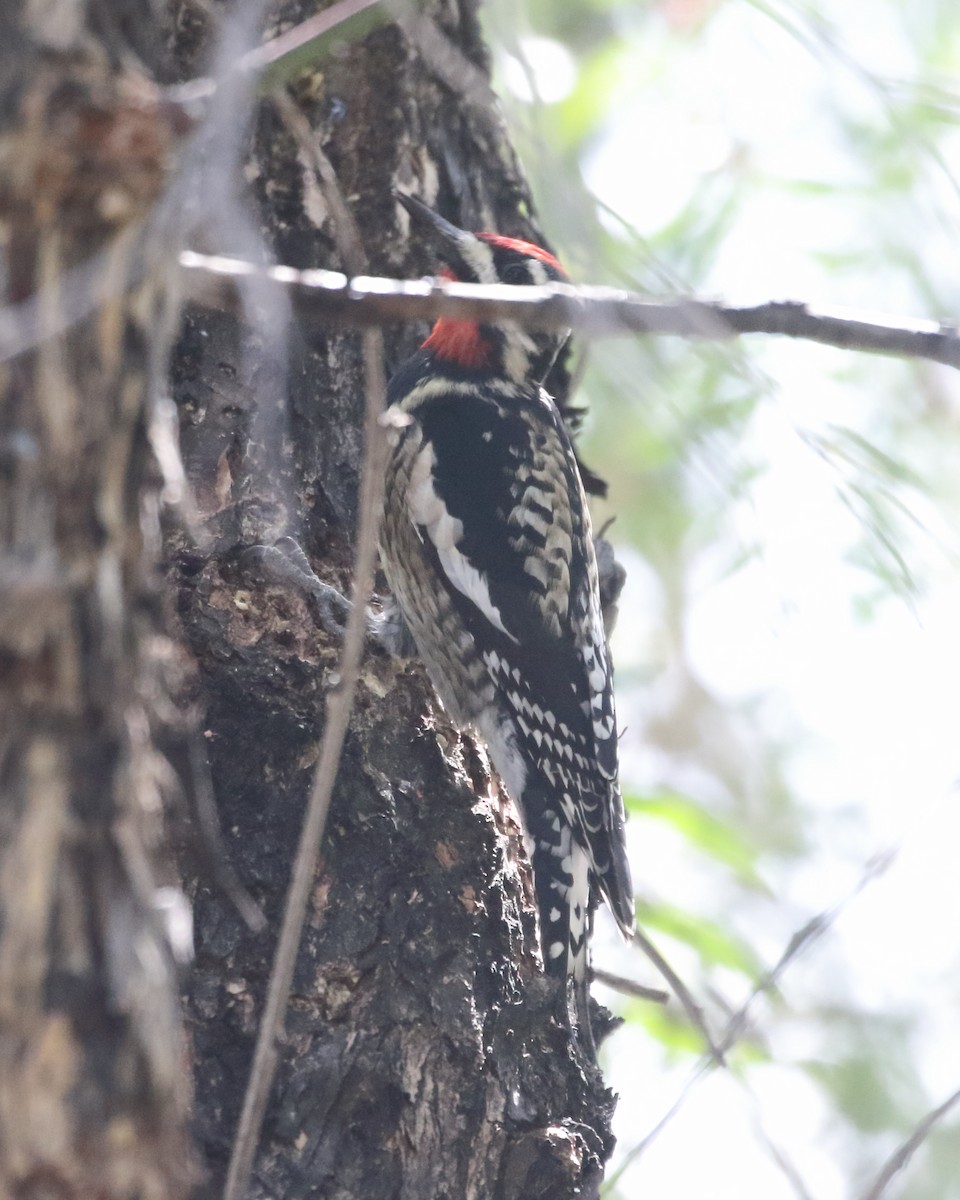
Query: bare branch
902	1155
595	311
320	296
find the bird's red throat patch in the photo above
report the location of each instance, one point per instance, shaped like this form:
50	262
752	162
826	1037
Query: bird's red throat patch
460	342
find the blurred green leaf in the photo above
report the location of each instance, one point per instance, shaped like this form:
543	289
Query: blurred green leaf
859	1086
601	73
670	1028
715	838
716	945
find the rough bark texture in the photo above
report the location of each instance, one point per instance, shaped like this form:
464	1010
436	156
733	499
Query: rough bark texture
423	1056
92	1095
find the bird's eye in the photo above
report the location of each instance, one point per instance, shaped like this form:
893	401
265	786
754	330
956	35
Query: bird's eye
516	273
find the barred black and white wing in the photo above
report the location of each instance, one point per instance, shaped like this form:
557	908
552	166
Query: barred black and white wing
494	495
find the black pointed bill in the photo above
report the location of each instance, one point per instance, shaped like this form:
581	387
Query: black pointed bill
431	223
462	251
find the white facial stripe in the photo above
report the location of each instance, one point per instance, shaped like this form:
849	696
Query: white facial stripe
538	272
479	257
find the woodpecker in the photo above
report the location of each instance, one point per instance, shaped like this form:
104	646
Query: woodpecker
488	551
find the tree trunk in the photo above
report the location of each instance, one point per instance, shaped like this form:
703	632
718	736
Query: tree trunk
92	1094
423	1057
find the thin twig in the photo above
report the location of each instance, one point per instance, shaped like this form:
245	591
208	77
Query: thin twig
363	300
281	59
873	869
636	1151
681	991
876	866
339	705
902	1155
208	840
344	228
627	987
781	1159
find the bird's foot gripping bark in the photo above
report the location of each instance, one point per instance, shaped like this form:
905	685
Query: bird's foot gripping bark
286	564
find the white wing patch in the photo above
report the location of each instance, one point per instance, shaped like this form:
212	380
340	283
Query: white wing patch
467	579
428	512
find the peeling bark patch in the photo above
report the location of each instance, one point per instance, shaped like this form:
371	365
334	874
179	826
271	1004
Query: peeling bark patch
445	854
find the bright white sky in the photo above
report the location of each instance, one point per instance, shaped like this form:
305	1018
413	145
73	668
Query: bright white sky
876	702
